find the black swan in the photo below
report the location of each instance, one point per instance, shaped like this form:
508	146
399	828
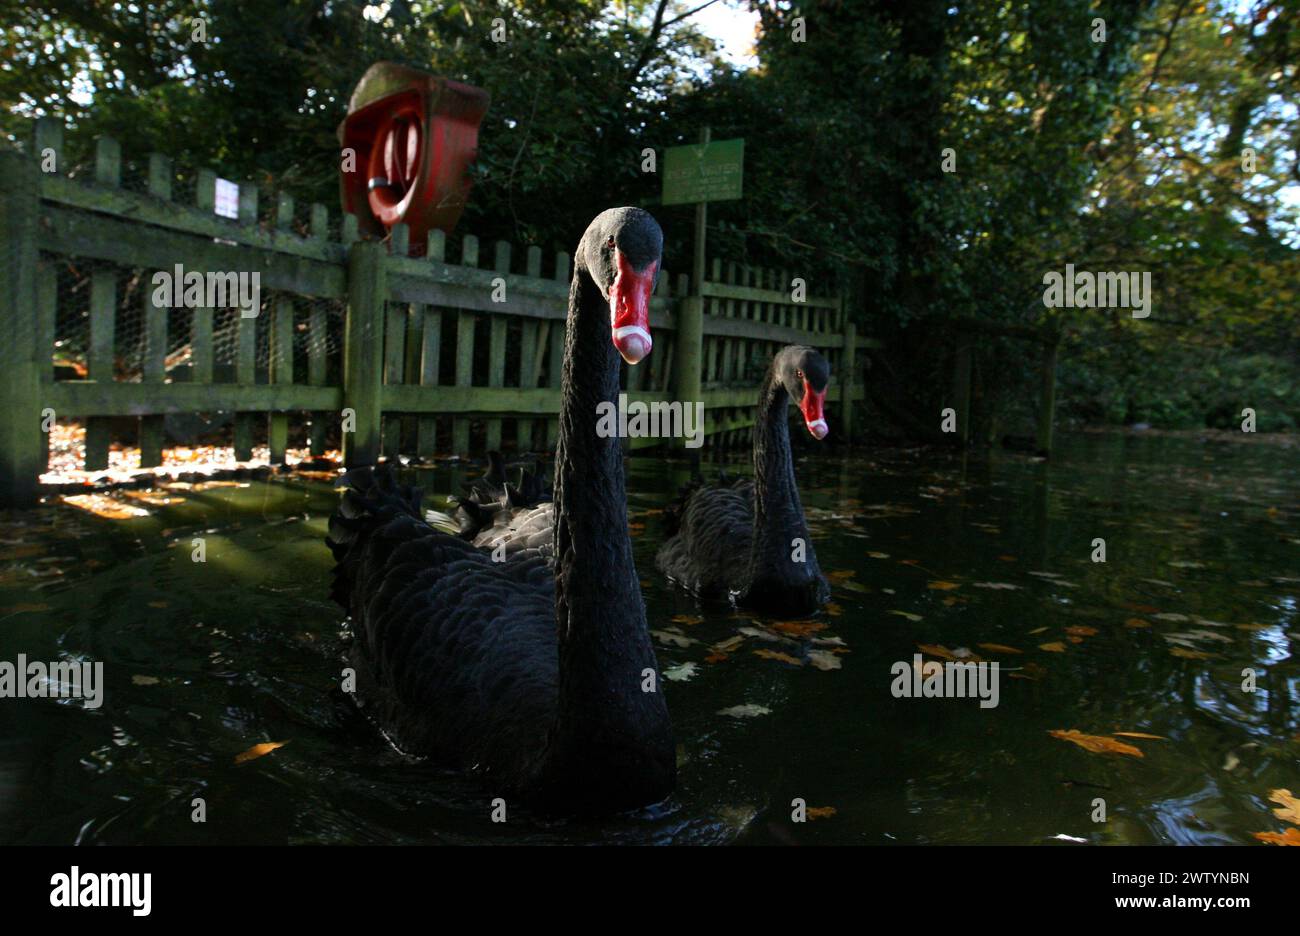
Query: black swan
537	675
749	540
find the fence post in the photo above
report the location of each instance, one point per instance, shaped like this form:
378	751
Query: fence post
848	379
1047	403
21	445
689	349
363	352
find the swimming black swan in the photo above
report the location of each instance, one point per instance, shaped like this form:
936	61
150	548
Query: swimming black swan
540	677
749	540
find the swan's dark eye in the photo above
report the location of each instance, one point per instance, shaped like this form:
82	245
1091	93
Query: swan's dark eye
799	374
609	244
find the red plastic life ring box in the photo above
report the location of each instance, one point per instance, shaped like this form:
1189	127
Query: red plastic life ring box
414	136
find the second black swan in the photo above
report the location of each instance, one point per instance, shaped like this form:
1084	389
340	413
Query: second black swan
528	672
749	541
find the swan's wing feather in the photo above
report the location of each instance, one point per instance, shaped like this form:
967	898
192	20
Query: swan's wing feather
708	552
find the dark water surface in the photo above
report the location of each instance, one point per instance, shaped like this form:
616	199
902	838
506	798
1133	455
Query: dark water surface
203	661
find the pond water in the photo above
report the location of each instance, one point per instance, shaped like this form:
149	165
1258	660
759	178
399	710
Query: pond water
965	556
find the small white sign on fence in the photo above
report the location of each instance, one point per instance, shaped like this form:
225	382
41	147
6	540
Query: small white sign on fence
227	199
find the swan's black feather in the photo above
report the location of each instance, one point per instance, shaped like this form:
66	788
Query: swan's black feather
440	628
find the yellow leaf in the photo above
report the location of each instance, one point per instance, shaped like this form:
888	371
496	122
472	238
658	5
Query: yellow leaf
1079	630
1289	837
1037	630
998	648
1054	647
911	617
937	650
258	750
943	586
819	812
779	656
878	555
686	619
840	576
1097	744
726	646
1139	734
1191	654
1289	806
1135	623
834	610
799	628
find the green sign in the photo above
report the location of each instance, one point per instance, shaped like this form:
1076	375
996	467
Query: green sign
704	172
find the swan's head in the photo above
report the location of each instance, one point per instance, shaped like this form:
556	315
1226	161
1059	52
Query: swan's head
622	251
805	375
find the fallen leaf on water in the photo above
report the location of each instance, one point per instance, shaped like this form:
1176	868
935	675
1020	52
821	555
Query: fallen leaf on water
1007	558
745	711
157	604
258	750
682	672
715	658
841	575
726	646
1289	837
1038	630
996	586
878	555
1031	671
686	619
778	655
819	812
825	660
1170	616
1139	734
1097	744
1186	654
834	610
943	586
998	648
800	628
1135	623
671	637
106	507
911	617
1079	630
853	587
1054	647
937	650
146	681
1289	808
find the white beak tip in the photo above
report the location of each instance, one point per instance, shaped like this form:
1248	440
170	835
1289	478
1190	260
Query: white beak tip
818	428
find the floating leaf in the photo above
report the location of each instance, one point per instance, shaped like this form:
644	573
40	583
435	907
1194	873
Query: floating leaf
824	660
258	750
839	576
1289	808
673	638
906	614
942	586
819	812
1079	630
145	681
745	711
157	604
1007	558
1054	647
878	555
715	658
996	586
726	646
1139	734
778	656
1289	837
937	650
834	610
686	619
1037	630
998	648
1186	654
1134	623
682	672
800	628
1097	744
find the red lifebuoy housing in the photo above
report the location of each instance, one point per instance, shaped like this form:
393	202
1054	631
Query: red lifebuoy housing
412	137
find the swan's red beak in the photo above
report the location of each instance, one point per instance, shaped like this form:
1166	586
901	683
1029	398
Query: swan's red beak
811	407
629	308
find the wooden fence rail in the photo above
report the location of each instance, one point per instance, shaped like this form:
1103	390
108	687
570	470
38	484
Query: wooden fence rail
348	332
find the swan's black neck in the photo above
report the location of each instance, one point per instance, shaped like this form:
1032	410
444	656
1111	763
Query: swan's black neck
612	738
779	525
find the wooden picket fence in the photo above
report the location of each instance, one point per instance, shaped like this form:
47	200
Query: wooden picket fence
348	327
